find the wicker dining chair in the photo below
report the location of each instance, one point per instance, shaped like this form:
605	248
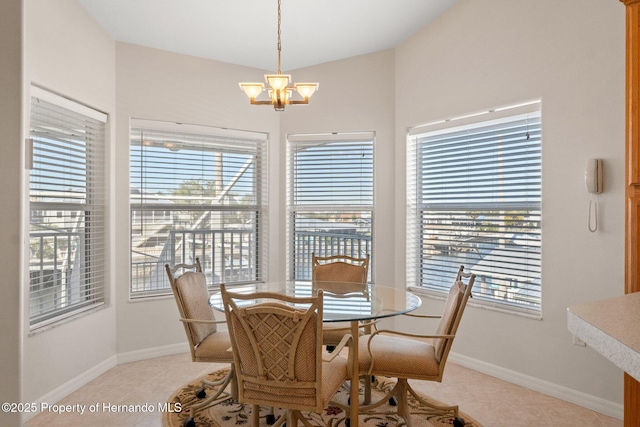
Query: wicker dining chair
406	356
339	274
206	343
277	346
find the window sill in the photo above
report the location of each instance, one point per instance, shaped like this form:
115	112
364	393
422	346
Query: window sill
47	325
485	305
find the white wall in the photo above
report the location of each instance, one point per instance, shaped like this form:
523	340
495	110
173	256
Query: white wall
11	160
68	53
159	85
355	94
570	54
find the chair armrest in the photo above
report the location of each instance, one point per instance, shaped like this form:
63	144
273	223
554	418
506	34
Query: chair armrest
404	334
328	357
372	324
362	324
204	322
423	316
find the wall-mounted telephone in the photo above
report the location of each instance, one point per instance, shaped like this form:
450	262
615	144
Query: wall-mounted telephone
593	178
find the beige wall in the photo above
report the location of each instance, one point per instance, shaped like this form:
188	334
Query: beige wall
159	85
66	52
570	54
11	27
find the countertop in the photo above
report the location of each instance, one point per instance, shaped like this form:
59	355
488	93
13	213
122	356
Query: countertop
612	328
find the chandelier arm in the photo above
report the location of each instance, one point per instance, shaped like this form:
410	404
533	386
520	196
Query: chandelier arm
254	102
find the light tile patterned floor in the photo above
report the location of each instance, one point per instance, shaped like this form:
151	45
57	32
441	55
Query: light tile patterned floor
492	402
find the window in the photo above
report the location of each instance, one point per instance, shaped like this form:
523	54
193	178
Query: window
67	208
474	199
196	192
330	198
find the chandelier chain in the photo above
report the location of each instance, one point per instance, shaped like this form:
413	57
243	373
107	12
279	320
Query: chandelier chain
279	42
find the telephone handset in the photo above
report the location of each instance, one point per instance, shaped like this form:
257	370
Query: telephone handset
593	178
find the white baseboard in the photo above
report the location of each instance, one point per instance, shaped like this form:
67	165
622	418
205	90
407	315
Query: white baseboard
72	385
150	353
588	401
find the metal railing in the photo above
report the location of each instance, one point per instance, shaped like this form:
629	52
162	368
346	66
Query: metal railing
226	256
324	243
229	256
50	269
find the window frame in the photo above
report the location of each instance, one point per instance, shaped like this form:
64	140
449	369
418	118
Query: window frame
66	157
362	211
198	144
415	252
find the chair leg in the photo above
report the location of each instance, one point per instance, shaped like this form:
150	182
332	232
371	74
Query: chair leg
297	416
427	407
401	391
234	385
220	395
368	379
371	406
403	403
255	415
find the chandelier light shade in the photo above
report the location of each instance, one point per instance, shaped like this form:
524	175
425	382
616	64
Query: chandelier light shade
279	90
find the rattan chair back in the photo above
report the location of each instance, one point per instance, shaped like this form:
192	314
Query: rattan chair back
277	348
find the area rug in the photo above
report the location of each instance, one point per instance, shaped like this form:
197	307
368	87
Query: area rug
231	413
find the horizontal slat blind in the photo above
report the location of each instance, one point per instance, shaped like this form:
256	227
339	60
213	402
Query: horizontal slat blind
198	192
477	203
186	168
333	173
67	205
330	198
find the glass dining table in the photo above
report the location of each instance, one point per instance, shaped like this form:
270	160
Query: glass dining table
342	302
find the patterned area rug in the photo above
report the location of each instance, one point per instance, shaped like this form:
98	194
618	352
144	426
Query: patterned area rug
231	413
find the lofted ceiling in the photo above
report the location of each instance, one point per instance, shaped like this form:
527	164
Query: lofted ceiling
244	32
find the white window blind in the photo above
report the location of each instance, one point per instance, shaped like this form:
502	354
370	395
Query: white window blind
475	199
67	208
330	198
196	192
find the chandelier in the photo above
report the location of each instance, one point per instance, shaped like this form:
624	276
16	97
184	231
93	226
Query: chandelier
279	91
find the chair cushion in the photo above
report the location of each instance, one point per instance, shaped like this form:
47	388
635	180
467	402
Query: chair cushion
216	347
398	357
454	299
193	292
334	374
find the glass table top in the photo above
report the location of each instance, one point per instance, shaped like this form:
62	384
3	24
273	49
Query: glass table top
342	301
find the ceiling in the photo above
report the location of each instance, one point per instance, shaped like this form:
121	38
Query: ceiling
244	32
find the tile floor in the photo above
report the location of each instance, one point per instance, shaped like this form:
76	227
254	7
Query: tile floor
492	402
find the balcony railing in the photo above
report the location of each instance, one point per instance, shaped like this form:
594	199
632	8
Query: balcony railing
324	243
229	256
226	256
51	264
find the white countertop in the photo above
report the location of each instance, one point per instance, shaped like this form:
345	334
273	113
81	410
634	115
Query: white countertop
612	328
